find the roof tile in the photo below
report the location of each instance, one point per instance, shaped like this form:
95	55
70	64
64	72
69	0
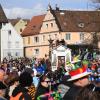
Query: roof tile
34	26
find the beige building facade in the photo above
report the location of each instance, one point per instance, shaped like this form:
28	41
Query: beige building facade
57	25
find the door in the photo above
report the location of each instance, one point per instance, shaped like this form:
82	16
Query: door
61	61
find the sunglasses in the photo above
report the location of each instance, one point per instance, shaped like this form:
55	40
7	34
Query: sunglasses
85	77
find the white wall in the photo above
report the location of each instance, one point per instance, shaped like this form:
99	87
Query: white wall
12	43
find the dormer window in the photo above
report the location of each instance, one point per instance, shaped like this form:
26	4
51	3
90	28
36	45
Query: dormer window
81	25
34	26
51	24
46	25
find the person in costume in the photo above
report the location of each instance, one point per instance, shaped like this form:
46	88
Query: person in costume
79	79
89	92
2	91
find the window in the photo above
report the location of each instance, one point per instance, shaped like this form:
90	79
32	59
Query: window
21	30
40	26
49	36
81	36
9	32
81	25
68	36
9	54
25	24
51	24
9	44
24	40
17	54
34	26
28	40
36	39
55	36
43	37
46	25
36	51
17	44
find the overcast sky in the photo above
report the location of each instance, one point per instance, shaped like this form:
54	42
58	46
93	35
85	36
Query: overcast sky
29	8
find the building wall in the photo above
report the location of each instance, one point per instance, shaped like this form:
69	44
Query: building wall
42	45
11	42
20	26
75	37
48	30
30	51
49	24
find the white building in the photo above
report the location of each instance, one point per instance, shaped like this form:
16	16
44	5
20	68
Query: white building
11	42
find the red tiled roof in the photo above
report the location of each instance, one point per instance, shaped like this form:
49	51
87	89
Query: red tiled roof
77	21
3	18
34	26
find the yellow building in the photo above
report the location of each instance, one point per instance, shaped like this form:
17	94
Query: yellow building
75	27
19	24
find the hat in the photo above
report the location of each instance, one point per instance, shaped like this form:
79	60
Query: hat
2	86
78	72
25	79
29	70
76	59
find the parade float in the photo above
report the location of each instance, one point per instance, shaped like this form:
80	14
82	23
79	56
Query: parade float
59	56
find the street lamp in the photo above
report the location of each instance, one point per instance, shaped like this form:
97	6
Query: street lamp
50	47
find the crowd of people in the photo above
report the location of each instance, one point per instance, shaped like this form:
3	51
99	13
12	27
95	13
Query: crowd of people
32	79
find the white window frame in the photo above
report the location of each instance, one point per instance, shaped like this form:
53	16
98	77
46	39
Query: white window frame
68	36
36	51
47	25
36	40
43	37
81	36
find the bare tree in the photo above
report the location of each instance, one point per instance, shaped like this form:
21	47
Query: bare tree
96	4
95	35
95	1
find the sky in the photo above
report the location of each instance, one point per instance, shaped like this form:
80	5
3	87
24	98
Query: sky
29	8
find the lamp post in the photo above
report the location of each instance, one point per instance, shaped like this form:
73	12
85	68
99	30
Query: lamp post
50	47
